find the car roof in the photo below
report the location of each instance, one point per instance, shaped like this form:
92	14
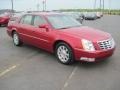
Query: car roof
44	13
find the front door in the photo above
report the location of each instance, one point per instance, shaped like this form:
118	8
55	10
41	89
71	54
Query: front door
41	37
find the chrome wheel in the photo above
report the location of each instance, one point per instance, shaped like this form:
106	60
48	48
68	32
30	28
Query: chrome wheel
64	53
16	39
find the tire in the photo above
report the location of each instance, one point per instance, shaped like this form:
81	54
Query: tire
6	24
64	53
16	39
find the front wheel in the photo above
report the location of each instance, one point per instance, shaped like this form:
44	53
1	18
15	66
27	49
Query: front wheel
64	53
16	39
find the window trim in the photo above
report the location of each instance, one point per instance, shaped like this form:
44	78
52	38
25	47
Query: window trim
23	17
40	17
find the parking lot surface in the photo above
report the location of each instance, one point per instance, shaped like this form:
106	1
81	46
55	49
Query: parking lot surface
30	68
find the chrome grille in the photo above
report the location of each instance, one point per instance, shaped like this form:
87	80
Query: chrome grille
106	44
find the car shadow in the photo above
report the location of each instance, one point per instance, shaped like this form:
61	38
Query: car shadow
101	63
50	57
35	49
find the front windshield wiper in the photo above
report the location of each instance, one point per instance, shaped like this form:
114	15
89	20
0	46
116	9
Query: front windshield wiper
64	28
69	27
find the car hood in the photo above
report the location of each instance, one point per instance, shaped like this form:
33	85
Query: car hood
88	33
4	17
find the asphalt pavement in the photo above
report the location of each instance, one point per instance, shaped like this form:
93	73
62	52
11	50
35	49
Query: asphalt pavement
30	68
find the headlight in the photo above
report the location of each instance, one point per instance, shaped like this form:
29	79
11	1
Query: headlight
112	43
88	45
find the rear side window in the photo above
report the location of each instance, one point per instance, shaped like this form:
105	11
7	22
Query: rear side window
38	20
27	19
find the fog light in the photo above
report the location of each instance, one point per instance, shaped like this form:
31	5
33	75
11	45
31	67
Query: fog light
91	59
87	59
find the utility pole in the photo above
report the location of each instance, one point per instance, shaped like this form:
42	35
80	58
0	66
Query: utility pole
100	5
43	2
12	6
38	5
44	5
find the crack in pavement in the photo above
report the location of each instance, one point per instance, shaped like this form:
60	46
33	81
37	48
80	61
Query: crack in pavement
69	77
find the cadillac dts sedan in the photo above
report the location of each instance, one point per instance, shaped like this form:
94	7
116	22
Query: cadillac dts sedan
62	35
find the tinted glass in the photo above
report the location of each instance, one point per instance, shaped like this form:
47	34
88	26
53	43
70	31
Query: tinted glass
62	21
26	19
38	20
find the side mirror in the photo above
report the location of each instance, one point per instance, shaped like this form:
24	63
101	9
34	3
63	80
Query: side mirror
45	26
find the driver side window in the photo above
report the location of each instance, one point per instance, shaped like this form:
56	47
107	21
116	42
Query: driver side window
38	20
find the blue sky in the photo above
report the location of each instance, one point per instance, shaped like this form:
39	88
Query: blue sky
56	4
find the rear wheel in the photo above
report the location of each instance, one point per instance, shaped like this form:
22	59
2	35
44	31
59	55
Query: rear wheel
16	39
64	53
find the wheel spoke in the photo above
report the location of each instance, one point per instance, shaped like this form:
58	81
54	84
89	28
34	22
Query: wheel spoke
16	39
63	53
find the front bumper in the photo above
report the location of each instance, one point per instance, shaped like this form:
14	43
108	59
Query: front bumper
82	55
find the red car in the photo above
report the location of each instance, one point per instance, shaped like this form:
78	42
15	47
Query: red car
62	35
4	19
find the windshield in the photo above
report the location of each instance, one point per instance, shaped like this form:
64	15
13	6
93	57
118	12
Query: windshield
62	21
